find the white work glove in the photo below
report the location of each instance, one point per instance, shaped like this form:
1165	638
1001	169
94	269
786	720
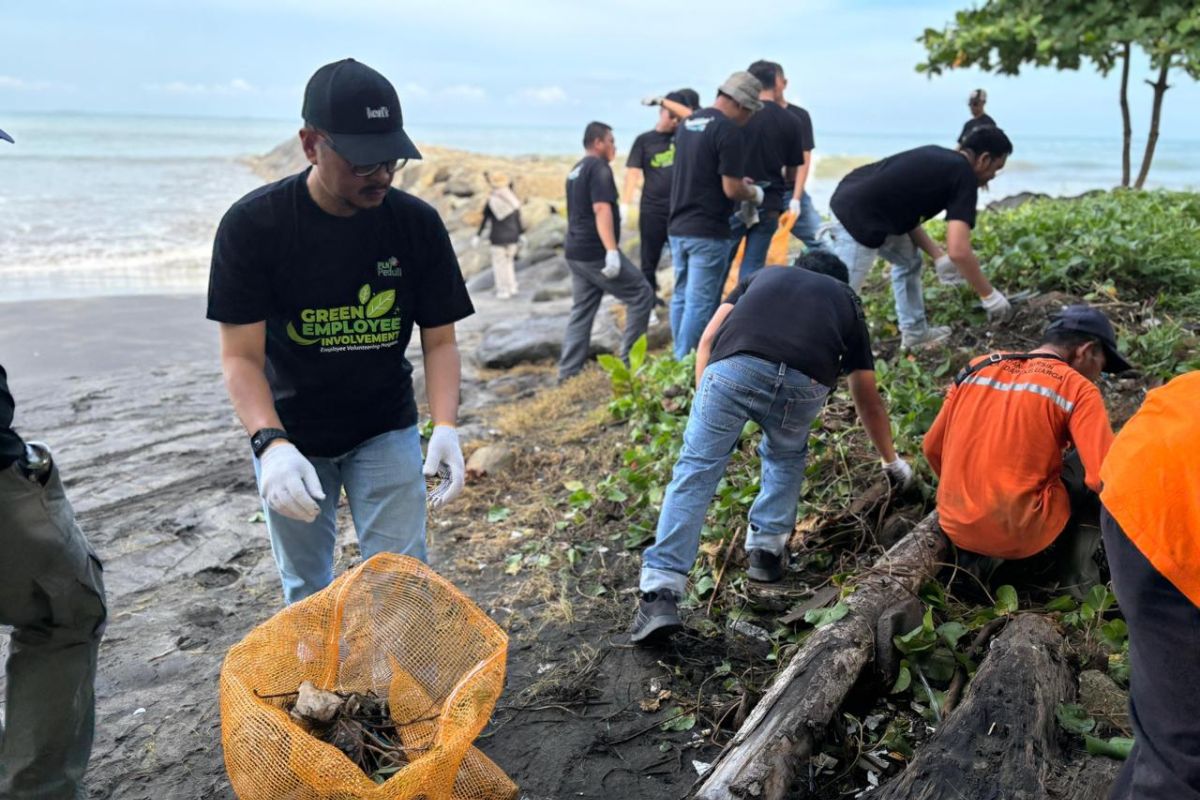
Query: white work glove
444	458
899	473
624	211
748	213
759	194
523	241
652	100
794	207
997	307
289	483
947	273
475	240
612	264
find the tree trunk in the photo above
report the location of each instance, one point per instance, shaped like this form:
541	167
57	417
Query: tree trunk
1127	143
1004	736
1160	88
774	743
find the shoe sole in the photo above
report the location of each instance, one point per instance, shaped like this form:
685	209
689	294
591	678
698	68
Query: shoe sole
658	629
762	576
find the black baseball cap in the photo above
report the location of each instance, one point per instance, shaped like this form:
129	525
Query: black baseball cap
6	137
360	111
682	97
1091	321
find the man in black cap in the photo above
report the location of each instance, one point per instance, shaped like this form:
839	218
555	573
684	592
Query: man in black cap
1008	491
317	281
52	593
651	161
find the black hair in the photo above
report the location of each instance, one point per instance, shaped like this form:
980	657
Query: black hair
988	139
594	131
1068	339
691	98
765	71
824	262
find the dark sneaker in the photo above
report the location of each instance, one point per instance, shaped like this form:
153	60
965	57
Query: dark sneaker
657	617
765	566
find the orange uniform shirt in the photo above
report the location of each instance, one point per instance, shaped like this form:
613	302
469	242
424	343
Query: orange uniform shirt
1152	482
997	447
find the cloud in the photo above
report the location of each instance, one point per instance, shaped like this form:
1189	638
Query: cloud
464	91
412	90
235	86
544	95
21	85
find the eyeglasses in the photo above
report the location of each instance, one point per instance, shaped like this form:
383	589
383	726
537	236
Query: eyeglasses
367	170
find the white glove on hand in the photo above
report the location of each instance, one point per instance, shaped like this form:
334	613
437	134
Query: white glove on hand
748	213
947	273
475	241
998	308
444	455
523	241
652	100
899	473
758	194
794	207
612	264
289	483
624	208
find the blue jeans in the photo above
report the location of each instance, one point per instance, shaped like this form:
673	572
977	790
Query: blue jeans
784	402
905	258
386	490
807	224
758	242
700	268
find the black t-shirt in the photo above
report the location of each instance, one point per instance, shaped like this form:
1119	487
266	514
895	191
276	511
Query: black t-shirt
806	124
589	181
340	296
707	145
654	154
790	315
774	140
973	123
11	446
895	195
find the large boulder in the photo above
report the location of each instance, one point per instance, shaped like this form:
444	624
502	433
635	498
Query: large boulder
518	341
550	272
545	240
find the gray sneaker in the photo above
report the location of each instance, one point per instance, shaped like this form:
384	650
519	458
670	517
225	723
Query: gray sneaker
657	617
924	337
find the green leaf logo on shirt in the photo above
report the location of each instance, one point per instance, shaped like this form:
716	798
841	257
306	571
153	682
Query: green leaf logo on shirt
381	303
295	336
364	294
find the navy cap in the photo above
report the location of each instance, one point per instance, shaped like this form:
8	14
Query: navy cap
1092	322
6	137
689	97
360	111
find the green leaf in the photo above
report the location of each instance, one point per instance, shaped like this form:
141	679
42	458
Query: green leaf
381	303
1114	633
1006	600
1062	603
573	486
364	294
497	514
614	366
637	354
512	564
684	722
919	639
939	665
257	516
1118	747
1073	718
903	680
952	631
295	336
705	585
820	617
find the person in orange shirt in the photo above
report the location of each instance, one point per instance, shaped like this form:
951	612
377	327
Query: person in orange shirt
1007	491
1151	523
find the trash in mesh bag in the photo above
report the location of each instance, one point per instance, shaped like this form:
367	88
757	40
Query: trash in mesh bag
391	629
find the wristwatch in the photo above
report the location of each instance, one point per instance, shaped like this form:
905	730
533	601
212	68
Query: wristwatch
263	437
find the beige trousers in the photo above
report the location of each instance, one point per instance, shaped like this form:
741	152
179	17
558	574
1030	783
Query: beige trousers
504	269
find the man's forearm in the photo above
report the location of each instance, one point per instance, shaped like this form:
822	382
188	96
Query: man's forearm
879	429
605	226
926	243
969	268
632	174
443	378
802	173
250	393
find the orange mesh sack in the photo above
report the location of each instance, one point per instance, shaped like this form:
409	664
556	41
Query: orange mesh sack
392	627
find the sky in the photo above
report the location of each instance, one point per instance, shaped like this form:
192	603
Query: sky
536	62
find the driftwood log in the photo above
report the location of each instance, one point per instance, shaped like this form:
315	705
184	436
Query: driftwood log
1002	742
776	740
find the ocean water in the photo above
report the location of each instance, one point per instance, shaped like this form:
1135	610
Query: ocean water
106	205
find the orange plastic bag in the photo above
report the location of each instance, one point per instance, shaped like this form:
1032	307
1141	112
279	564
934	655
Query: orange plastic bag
391	626
777	251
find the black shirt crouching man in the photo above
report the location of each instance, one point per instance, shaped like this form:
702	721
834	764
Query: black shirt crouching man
317	281
771	354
